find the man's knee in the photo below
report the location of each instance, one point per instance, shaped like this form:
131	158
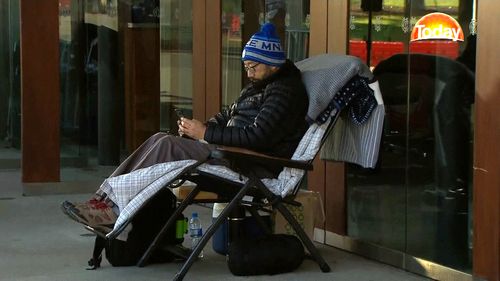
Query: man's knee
166	140
158	136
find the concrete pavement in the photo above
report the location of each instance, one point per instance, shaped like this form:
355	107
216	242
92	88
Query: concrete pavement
38	242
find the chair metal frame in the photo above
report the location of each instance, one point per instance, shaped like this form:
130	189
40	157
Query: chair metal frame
240	159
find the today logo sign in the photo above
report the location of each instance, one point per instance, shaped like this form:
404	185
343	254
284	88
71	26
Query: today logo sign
437	26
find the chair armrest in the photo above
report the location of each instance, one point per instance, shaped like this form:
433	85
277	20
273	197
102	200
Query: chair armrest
242	154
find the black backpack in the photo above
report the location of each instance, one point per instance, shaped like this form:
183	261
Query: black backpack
146	224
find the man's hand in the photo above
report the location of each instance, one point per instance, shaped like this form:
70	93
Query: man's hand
192	128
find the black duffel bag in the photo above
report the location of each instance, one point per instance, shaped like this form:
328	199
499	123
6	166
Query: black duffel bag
271	254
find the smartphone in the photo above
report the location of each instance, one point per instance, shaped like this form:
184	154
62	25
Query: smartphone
179	112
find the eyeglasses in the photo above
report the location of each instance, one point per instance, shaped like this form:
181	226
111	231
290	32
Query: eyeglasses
251	69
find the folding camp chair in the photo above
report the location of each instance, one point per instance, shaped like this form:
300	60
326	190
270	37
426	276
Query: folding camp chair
235	191
235	187
328	80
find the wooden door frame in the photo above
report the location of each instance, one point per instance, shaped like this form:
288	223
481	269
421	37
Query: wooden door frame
207	58
40	91
328	32
486	181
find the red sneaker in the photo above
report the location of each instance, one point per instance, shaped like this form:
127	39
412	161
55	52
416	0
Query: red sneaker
93	213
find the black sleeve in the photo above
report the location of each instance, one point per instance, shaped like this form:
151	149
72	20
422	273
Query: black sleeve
220	119
266	130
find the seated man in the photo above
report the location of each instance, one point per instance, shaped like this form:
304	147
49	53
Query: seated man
268	117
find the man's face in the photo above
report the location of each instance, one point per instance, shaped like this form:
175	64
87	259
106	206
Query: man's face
257	71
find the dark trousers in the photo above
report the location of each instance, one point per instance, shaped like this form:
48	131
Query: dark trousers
160	148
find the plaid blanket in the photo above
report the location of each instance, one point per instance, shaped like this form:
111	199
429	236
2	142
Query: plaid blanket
131	191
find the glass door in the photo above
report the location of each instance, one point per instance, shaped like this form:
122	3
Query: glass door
377	197
78	86
91	88
110	82
441	65
176	62
418	198
10	91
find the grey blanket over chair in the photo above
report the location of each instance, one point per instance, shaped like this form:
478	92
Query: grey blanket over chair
324	75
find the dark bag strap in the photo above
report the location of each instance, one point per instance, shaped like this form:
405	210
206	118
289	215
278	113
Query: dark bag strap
95	261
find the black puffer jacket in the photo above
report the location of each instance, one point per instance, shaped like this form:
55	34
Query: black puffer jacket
269	115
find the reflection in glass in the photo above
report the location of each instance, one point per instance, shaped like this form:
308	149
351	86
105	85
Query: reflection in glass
233	19
176	59
108	107
387	30
78	83
446	103
377	198
10	93
418	198
91	88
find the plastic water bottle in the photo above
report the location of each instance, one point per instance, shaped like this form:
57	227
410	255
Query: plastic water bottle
195	231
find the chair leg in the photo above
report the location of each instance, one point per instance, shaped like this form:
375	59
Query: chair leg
278	204
170	222
303	236
210	232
